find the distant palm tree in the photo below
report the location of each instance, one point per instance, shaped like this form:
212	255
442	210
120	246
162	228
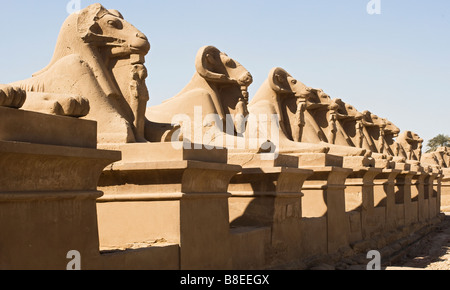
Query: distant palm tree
440	140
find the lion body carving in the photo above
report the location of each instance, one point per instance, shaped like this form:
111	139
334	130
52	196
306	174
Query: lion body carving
218	87
98	64
292	100
410	146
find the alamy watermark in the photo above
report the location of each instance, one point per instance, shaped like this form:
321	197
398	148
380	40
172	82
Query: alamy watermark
254	132
73	6
75	260
374	7
375	261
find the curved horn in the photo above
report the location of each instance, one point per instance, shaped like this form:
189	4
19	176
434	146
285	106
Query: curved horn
274	79
87	19
203	63
116	13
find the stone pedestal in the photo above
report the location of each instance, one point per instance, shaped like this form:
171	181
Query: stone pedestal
384	163
179	201
384	198
418	195
445	190
323	211
263	160
438	187
403	196
319	160
163	152
271	197
402	166
358	162
48	190
432	193
359	202
36	128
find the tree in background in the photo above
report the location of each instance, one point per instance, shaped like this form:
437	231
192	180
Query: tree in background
440	140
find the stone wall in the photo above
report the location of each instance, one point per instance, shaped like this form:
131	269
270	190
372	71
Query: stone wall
93	174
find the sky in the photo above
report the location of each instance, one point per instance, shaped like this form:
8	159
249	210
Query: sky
394	63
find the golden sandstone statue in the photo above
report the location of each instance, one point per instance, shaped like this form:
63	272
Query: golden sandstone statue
98	63
219	87
319	199
98	72
289	99
439	158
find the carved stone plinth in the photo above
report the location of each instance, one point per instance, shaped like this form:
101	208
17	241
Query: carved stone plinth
402	166
265	160
384	198
403	196
323	210
384	163
431	194
445	190
37	128
319	160
271	197
418	195
48	191
359	202
358	161
183	202
174	151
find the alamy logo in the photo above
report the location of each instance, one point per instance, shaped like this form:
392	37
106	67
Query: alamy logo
258	132
75	260
374	7
375	263
74	6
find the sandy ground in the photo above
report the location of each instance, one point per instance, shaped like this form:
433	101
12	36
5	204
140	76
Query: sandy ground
430	253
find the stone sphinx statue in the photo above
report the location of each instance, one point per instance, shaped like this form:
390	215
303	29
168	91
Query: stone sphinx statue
375	127
353	129
97	71
438	159
391	132
218	88
12	97
368	131
296	105
410	145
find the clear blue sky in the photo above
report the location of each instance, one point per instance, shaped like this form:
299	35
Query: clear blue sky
396	64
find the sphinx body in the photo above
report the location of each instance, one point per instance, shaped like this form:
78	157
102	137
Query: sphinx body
299	109
201	112
219	90
97	72
438	159
410	145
